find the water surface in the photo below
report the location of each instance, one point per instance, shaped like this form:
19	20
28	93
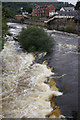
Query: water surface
64	59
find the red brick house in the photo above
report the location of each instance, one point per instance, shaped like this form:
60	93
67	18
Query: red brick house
42	10
19	17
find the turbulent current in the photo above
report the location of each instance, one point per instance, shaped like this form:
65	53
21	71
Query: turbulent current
27	89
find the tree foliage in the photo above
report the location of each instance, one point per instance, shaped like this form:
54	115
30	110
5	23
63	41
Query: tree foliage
77	7
4	28
15	8
28	9
22	20
5	15
6	12
28	6
34	38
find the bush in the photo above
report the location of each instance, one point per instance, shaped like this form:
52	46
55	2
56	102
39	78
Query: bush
70	27
4	28
8	33
2	44
34	38
13	20
22	20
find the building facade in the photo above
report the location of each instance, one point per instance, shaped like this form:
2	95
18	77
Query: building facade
19	17
43	10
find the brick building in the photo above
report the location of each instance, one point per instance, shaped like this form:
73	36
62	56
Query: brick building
43	10
19	17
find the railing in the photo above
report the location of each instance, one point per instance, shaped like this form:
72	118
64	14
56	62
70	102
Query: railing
58	17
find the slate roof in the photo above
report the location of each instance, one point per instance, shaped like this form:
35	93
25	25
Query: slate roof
19	15
68	8
77	17
66	13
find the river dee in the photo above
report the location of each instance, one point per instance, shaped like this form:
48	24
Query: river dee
64	59
16	28
25	90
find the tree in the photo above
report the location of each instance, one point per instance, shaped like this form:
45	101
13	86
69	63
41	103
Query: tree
5	15
28	9
6	12
22	20
4	28
34	38
77	7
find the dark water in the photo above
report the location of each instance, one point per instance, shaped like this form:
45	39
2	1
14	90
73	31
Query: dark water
64	59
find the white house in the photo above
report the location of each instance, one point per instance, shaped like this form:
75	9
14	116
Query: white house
51	13
24	13
67	9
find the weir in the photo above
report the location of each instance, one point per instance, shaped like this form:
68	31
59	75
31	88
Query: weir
24	91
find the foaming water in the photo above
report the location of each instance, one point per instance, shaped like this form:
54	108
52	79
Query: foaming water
0	88
16	28
25	93
0	96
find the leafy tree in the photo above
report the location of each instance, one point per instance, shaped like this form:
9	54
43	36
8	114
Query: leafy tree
28	9
4	28
77	7
57	9
22	20
6	12
5	15
70	26
34	38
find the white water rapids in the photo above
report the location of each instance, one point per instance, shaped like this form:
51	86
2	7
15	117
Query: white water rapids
24	91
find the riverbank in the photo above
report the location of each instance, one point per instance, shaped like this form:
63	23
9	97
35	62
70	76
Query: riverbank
70	27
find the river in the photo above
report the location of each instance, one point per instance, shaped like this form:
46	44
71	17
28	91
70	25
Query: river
64	59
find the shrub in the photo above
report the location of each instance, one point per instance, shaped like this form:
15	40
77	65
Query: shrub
2	44
70	27
4	28
8	33
34	38
22	20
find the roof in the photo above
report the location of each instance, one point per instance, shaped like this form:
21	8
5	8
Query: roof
74	13
68	8
77	17
43	6
19	15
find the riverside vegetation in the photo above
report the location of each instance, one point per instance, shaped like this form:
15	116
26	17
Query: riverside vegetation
34	38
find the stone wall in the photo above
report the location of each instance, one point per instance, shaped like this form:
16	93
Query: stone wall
64	25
